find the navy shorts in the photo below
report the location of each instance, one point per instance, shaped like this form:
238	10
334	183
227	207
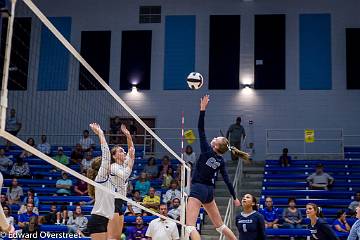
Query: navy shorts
204	193
119	203
97	224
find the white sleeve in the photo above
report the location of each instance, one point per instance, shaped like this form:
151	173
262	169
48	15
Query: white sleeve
149	231
104	169
175	233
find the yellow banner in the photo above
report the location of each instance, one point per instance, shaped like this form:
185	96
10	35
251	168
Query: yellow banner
309	135
190	136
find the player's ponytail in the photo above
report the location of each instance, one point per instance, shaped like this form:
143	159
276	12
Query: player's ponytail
92	173
238	153
225	146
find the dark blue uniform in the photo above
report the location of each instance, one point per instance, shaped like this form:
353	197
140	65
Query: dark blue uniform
322	230
207	165
251	227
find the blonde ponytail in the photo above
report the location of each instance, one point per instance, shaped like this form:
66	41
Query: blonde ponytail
92	173
239	153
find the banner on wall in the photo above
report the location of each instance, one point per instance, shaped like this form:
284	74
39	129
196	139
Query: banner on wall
309	135
190	136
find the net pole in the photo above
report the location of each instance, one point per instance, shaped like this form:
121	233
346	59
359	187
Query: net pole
55	163
182	179
5	77
86	65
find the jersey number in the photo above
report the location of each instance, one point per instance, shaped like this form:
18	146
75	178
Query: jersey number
244	227
211	162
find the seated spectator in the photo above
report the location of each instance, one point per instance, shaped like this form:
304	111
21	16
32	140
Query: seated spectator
138	233
340	224
175	210
320	180
354	204
26	154
291	215
151	169
142	184
20	168
189	156
32	227
87	161
271	214
44	146
51	217
167	178
23	208
152	201
14	193
284	159
77	222
31	193
7	212
5	163
163	169
3	200
77	154
61	157
24	218
177	173
86	142
12	126
81	187
134	210
62	217
172	193
64	185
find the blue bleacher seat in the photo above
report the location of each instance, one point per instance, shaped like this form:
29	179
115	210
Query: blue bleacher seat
309	193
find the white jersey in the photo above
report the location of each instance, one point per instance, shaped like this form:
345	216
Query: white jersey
119	176
104	201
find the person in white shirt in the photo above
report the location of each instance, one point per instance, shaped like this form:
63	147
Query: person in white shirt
86	142
175	211
44	146
189	155
162	229
5	163
172	193
87	161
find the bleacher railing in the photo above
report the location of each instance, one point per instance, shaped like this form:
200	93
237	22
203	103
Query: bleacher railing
328	142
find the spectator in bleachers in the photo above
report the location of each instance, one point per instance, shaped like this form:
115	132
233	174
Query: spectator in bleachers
64	184
3	200
62	217
138	233
142	184
160	228
319	228
26	154
292	215
77	154
32	227
167	178
236	134
9	219
189	155
87	161
354	204
177	173
61	157
285	159
152	201
81	187
134	210
271	214
163	169
5	163
319	179
340	224
151	169
86	142
355	229
115	125
172	193
175	210
51	216
77	222
31	193
23	208
12	126
20	168
44	146
14	193
24	218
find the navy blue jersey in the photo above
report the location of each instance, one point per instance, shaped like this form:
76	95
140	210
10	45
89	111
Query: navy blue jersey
209	163
322	230
251	227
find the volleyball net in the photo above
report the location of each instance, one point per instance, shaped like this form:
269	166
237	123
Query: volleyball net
57	78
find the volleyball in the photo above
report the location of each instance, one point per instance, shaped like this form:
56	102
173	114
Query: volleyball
195	80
